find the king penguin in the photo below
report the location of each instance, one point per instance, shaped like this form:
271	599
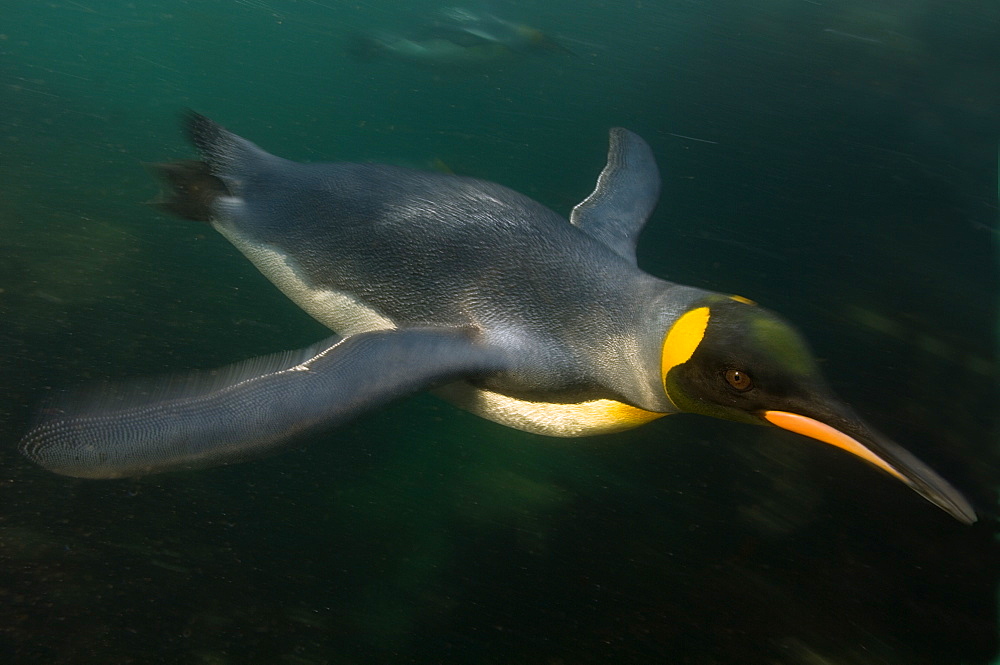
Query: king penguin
456	37
439	282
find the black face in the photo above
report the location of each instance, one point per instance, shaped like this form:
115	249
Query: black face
730	359
748	361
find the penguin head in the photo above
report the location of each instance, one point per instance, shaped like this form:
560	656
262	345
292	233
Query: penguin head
728	358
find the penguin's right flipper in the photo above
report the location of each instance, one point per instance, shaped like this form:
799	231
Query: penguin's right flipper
250	409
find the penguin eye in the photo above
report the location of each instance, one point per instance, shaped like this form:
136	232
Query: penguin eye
739	380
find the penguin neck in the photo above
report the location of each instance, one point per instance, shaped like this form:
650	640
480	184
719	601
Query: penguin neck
662	303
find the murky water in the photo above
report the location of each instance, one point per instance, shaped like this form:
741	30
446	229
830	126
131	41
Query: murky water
835	162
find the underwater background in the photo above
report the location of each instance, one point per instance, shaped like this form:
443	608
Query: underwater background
834	161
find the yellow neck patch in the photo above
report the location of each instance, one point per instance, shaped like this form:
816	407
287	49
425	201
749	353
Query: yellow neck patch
682	339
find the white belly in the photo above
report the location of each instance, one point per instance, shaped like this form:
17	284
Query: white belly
337	310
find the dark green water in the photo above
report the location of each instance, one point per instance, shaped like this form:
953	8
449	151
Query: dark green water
834	161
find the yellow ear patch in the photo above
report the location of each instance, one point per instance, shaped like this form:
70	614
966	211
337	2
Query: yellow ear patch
745	301
682	339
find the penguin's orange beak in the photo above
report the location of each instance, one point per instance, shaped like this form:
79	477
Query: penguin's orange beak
851	434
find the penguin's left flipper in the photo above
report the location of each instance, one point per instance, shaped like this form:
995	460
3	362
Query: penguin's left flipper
626	194
250	409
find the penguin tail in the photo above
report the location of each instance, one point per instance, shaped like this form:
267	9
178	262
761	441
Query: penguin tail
189	189
192	188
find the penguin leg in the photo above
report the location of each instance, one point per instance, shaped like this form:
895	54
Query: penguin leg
250	409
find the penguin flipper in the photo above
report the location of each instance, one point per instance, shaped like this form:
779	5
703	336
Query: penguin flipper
250	409
626	194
